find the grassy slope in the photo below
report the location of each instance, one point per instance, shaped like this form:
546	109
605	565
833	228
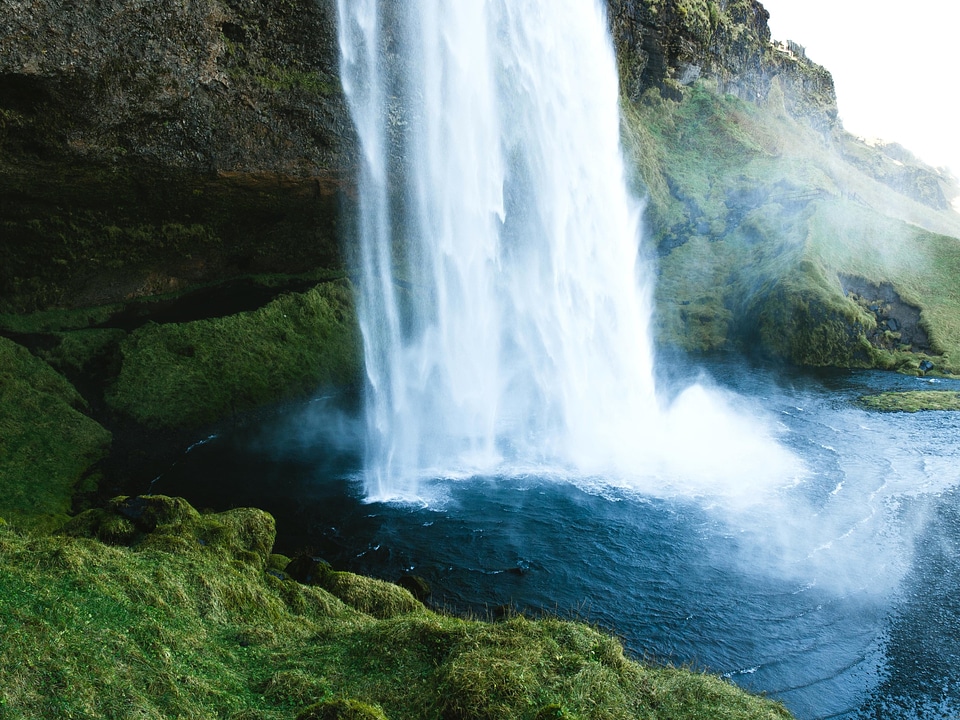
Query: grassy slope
177	617
756	215
47	444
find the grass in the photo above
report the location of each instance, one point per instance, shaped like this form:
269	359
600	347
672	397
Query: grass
47	444
149	609
187	374
756	215
922	265
912	401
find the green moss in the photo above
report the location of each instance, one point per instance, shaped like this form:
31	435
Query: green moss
806	319
191	373
286	79
47	445
277	562
198	629
76	350
913	401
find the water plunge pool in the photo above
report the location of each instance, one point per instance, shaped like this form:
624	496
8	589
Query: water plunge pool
837	594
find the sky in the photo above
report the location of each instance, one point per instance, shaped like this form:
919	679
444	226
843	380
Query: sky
895	65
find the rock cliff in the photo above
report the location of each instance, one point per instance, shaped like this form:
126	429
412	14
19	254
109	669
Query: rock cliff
147	147
208	85
668	44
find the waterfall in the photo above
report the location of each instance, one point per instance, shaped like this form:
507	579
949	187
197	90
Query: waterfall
503	311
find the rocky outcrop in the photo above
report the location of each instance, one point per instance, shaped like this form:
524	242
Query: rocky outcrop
899	169
147	147
210	85
668	44
898	322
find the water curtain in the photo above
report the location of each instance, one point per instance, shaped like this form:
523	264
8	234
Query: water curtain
503	310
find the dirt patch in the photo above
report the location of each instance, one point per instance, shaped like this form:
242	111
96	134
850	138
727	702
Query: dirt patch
898	322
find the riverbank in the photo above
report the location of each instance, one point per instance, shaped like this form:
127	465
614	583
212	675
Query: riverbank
149	606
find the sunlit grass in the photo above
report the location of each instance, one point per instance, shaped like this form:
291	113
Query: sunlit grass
185	615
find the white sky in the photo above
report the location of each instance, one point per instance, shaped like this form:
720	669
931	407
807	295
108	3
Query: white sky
895	64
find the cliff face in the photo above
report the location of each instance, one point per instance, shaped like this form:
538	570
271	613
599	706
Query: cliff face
237	85
231	85
147	147
669	44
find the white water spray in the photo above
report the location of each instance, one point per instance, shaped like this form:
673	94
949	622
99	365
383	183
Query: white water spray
504	311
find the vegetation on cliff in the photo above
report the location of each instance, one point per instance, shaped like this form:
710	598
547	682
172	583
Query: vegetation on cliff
148	607
913	401
770	240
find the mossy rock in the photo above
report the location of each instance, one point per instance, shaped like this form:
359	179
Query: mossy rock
755	218
417	586
342	710
277	563
48	446
374	597
378	598
913	401
158	522
804	329
307	569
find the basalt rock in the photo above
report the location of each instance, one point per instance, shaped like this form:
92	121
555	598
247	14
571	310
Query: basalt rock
668	44
146	148
898	323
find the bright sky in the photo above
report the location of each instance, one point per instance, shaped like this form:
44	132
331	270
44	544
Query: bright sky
895	64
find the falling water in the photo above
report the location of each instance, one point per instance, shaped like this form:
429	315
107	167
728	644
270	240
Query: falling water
502	302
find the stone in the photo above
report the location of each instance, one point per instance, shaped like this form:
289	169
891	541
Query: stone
307	569
417	586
